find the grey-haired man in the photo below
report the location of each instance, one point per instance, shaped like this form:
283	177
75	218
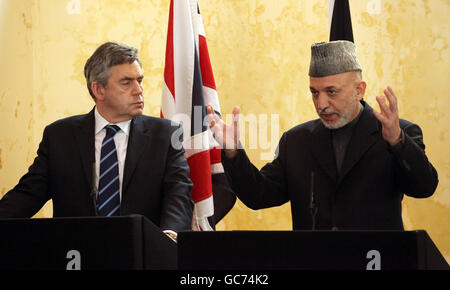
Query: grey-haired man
346	170
112	160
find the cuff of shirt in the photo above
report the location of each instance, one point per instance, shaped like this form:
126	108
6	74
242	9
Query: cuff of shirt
171	234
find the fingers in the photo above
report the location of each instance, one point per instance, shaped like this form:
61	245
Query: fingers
391	111
389	93
236	111
211	116
226	135
389	116
209	110
385	111
380	117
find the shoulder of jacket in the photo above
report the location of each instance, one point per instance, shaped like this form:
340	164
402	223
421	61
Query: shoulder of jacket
304	128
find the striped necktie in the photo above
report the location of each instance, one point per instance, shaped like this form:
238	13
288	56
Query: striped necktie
108	182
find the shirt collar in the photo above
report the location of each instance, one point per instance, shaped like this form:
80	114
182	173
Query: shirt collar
101	122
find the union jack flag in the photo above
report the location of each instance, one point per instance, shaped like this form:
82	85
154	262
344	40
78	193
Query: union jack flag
188	87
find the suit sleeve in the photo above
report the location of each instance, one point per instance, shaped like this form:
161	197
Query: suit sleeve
258	188
31	193
178	206
416	176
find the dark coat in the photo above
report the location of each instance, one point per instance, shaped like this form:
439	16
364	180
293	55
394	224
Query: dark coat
366	195
156	180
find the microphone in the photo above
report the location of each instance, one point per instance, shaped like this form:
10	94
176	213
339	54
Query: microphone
313	208
94	190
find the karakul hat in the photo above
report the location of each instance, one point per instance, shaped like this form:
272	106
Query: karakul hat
334	57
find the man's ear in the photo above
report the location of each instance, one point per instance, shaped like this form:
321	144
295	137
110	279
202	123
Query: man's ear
98	90
360	90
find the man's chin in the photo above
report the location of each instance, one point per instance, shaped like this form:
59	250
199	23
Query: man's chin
333	125
137	112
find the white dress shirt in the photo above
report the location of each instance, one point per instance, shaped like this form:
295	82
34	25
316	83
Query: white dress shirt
120	140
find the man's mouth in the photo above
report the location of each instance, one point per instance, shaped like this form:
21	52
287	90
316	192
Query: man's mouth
328	116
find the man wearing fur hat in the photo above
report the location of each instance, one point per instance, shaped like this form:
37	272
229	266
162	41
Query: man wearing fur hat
347	170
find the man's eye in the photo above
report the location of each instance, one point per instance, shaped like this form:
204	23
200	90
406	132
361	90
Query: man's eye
332	92
125	83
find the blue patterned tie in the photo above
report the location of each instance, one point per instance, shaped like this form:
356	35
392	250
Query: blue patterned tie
108	182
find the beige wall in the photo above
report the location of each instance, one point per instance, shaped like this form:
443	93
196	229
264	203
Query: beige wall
260	54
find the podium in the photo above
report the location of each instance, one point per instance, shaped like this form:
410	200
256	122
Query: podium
308	250
87	243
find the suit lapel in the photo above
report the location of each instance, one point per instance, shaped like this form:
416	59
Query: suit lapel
364	136
84	135
322	149
137	142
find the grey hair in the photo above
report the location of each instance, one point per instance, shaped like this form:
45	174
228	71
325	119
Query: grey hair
105	56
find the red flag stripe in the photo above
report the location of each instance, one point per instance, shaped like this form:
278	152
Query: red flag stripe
169	76
215	155
200	177
205	64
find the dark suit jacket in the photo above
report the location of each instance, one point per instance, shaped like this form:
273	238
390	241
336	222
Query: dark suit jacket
156	180
366	195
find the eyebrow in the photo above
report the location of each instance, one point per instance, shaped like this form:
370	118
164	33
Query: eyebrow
130	78
326	88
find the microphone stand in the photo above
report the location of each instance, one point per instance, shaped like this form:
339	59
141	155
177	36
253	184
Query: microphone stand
313	208
94	191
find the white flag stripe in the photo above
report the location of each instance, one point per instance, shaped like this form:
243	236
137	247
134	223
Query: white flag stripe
211	98
204	208
201	224
330	13
168	103
193	12
217	168
199	28
184	58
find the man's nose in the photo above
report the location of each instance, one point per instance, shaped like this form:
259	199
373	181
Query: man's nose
322	101
137	88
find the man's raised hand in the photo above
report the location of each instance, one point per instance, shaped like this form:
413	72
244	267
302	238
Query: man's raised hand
226	135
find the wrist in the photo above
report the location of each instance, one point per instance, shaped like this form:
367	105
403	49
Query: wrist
395	146
397	140
230	153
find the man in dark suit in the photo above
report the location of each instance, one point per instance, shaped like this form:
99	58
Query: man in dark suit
111	161
346	170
